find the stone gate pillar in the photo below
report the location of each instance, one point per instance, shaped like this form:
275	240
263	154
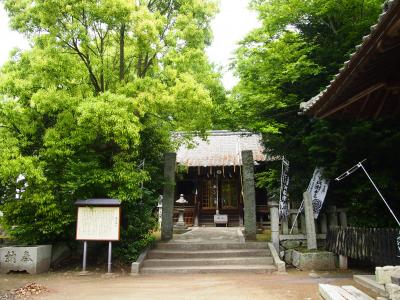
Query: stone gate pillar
249	195
168	197
274	217
310	223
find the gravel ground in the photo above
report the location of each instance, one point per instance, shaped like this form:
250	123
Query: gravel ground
240	286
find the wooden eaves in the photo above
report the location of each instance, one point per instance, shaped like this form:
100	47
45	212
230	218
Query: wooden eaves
368	85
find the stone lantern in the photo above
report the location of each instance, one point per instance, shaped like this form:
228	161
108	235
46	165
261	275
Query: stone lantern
180	225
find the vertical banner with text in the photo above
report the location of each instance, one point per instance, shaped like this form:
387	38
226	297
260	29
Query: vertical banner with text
318	188
284	194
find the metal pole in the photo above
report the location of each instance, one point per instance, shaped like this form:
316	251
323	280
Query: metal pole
84	256
376	188
297	215
109	256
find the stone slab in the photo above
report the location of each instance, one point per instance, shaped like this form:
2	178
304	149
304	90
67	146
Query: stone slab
32	259
393	291
356	292
332	292
317	261
384	274
369	282
262	269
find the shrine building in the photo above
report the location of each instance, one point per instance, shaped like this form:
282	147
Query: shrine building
210	177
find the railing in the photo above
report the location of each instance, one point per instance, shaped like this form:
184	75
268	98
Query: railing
295	225
376	245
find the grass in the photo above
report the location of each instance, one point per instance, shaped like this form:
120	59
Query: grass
157	235
265	236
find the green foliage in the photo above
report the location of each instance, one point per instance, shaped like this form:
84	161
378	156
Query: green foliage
298	48
99	92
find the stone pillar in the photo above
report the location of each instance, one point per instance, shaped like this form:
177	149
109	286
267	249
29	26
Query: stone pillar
324	224
333	221
285	225
274	213
310	225
168	197
303	228
343	219
343	262
249	195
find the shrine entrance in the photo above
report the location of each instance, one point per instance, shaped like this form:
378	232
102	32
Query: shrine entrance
209	193
220	196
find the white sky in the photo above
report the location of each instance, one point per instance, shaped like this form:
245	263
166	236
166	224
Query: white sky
8	39
232	23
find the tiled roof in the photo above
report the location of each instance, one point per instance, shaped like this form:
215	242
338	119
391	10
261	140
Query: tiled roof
221	148
361	52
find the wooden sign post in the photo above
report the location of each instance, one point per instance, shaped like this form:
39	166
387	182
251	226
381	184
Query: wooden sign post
98	220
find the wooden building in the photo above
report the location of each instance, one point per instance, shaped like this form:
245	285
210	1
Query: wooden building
210	177
368	85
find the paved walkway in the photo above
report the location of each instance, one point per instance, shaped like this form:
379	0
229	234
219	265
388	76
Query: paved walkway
70	286
210	235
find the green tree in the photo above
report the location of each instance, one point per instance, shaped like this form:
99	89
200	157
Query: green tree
300	45
101	89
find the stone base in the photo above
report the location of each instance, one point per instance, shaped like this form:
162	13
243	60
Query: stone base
317	261
180	230
32	259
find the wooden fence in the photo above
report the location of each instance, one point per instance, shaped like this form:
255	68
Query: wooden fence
376	245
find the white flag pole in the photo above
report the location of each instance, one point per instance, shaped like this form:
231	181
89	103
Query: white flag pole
297	215
360	165
376	188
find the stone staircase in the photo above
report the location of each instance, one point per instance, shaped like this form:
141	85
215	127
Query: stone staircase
208	257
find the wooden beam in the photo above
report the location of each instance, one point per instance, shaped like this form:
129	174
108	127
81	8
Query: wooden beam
382	103
353	99
364	105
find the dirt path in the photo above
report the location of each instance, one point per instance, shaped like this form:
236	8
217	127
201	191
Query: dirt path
294	285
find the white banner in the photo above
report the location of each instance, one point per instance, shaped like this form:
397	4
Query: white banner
284	194
318	188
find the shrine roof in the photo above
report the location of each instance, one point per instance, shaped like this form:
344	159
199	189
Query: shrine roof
221	148
368	84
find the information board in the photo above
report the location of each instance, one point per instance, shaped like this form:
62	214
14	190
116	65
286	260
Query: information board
98	223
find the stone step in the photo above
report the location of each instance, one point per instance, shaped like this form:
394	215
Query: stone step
209	269
244	261
211	246
171	254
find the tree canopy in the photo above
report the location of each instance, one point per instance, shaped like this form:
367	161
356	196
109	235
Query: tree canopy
290	58
102	87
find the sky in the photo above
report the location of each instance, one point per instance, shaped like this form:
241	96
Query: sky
8	39
230	25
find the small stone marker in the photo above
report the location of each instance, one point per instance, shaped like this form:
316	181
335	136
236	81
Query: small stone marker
32	259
